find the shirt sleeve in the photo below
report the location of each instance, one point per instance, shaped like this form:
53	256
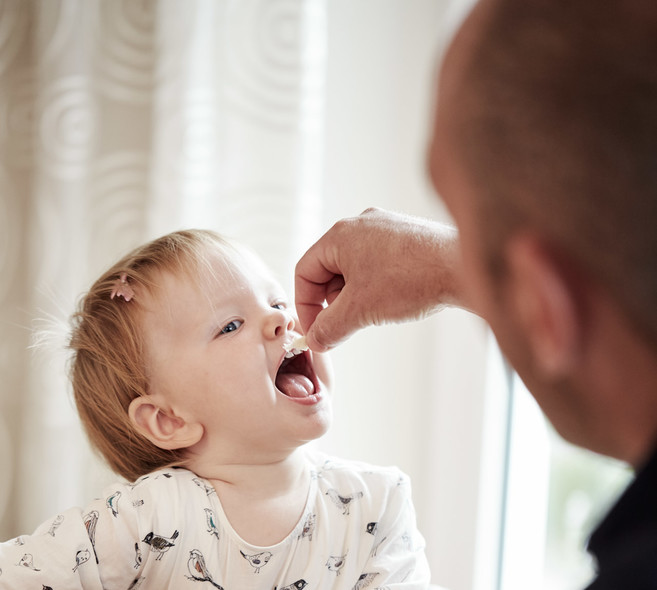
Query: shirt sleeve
397	559
79	549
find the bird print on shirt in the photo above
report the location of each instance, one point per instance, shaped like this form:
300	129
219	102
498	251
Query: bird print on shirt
138	556
308	527
209	490
134	484
27	561
81	557
258	560
328	465
336	563
90	521
211	520
343	502
113	503
364	580
56	524
198	571
160	544
136	583
298	585
375	548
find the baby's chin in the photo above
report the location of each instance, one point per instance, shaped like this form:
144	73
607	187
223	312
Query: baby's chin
322	419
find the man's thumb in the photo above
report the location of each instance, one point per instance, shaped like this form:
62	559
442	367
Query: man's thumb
332	326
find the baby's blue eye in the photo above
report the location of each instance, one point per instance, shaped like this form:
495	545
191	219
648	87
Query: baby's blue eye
279	306
231	326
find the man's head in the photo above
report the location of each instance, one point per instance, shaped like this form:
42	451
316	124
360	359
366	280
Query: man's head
546	152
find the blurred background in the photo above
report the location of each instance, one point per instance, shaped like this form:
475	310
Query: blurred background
266	120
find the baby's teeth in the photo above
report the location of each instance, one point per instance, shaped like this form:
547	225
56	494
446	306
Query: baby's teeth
294	352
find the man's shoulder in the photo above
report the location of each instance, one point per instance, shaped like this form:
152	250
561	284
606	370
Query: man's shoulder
625	543
632	565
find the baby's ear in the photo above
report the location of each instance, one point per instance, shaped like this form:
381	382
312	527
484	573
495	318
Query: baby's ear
161	426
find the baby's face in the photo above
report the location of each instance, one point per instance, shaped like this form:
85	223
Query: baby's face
215	352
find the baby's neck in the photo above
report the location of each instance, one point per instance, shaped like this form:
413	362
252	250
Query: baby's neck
263	502
260	479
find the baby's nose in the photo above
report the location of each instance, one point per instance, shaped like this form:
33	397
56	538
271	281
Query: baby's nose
280	322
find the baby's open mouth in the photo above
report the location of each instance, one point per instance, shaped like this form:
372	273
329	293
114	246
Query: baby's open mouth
296	377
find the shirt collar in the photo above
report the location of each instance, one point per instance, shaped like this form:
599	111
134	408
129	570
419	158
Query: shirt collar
635	510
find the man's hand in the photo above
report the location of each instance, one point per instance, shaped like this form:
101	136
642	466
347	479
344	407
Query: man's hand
377	268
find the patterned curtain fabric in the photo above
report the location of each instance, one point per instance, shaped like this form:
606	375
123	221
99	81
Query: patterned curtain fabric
121	120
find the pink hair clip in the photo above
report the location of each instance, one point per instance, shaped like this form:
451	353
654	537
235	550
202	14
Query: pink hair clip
122	288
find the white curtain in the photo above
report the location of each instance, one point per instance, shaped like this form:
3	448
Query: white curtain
122	120
266	120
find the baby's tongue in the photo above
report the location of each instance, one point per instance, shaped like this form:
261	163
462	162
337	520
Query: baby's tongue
295	385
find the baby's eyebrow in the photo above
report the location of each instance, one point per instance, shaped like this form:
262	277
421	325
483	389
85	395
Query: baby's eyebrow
225	298
275	292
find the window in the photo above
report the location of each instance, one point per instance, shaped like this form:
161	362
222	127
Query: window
553	495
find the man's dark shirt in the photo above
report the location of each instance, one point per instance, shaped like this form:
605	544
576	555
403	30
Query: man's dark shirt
625	543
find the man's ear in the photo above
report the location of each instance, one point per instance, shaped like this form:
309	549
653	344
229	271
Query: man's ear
161	426
545	296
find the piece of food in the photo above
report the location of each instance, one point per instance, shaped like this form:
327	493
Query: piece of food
297	345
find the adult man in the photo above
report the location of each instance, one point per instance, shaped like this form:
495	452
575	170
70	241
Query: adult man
545	152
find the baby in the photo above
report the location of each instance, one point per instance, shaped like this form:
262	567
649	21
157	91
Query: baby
192	381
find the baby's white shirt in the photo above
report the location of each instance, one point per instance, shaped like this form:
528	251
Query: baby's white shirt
168	530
